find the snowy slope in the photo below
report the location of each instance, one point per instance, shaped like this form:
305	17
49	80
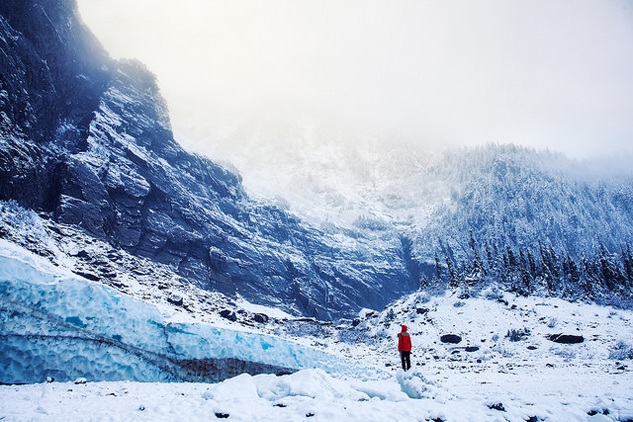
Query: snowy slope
494	379
504	387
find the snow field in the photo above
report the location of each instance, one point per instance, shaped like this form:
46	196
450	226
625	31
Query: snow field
484	324
503	380
313	395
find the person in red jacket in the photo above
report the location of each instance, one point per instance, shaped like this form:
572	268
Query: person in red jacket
404	347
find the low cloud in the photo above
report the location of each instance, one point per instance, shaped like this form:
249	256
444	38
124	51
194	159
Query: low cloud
545	74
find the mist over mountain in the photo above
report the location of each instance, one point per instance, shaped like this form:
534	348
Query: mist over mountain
342	219
455	207
87	140
328	173
328	169
270	283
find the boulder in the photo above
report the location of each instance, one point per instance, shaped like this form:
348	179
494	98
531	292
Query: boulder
565	338
451	338
261	318
497	406
176	299
228	314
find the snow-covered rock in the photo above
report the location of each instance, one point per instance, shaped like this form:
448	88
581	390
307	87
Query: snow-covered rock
87	140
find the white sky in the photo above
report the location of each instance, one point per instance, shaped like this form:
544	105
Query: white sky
554	74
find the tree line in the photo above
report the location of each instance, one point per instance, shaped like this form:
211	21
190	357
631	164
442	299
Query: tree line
598	275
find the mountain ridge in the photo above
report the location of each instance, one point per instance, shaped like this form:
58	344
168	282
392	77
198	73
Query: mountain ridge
90	144
106	161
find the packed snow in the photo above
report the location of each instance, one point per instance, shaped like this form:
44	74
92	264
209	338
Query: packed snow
311	394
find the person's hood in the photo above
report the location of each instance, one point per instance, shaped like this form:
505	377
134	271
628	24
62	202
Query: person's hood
404	328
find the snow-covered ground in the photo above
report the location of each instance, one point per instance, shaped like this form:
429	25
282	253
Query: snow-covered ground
440	392
504	367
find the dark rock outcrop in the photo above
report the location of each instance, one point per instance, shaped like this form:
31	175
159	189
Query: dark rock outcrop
565	338
451	338
497	406
44	45
88	140
228	314
261	318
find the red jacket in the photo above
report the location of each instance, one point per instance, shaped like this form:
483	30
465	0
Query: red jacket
404	340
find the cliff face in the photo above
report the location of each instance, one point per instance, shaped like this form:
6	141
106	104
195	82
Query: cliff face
88	140
54	70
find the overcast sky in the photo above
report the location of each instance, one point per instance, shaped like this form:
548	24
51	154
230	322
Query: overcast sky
554	74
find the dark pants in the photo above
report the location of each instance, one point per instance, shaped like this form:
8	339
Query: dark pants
406	360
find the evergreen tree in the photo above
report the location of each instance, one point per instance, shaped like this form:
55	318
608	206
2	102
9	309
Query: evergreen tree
478	269
525	274
453	276
438	268
512	261
489	256
627	261
609	272
532	264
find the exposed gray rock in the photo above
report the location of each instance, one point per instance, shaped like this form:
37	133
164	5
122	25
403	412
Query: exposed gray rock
176	299
497	406
88	140
228	314
565	338
261	318
451	338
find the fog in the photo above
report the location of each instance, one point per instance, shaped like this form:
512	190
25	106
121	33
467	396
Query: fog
555	74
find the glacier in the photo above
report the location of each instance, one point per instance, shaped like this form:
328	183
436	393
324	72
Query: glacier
55	324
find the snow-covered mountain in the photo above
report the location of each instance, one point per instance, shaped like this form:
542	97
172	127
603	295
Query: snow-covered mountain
88	141
124	257
358	220
534	220
329	172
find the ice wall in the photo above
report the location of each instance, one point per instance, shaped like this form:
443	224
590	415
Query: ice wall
54	323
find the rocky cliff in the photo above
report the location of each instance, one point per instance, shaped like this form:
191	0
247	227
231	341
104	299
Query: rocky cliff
87	140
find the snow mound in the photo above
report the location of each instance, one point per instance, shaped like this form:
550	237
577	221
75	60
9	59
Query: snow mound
412	383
